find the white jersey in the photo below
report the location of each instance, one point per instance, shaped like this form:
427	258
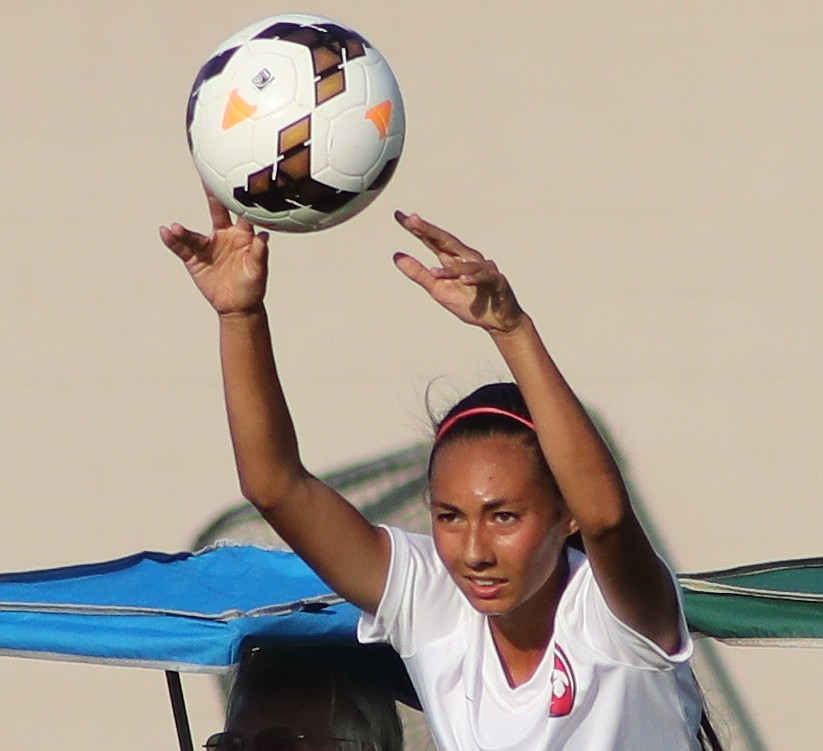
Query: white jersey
600	687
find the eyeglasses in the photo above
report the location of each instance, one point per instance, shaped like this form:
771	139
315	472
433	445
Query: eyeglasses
280	739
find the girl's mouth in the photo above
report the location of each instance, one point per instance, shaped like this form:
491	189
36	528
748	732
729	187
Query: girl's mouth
484	588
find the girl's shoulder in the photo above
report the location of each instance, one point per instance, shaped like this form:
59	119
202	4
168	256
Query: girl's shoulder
405	543
584	619
415	569
420	602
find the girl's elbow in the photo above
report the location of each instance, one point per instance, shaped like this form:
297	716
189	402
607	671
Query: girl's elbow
607	512
249	492
262	496
607	523
267	492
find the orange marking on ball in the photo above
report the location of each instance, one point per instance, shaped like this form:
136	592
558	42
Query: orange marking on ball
237	110
380	115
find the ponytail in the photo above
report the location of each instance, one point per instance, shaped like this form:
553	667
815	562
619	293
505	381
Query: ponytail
706	734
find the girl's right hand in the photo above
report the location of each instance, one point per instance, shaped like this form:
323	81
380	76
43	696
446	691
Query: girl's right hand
229	266
466	283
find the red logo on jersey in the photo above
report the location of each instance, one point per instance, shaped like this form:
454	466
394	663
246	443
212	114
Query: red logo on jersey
563	686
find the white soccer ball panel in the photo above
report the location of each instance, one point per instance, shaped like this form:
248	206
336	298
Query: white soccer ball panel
266	81
216	183
354	143
383	87
224	149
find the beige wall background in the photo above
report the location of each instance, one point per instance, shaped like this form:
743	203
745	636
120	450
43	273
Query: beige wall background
648	174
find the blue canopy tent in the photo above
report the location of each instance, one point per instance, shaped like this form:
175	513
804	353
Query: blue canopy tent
183	612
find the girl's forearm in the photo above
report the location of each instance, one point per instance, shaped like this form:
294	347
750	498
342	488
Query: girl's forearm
262	431
582	464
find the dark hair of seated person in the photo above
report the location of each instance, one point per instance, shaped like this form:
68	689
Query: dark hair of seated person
319	696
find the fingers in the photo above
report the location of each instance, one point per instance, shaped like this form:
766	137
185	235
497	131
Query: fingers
182	242
443	243
260	246
220	217
414	270
483	274
468	272
244	224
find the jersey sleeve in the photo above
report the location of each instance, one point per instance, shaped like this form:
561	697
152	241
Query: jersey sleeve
417	587
615	640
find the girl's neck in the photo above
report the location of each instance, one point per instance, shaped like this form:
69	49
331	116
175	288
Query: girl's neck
522	636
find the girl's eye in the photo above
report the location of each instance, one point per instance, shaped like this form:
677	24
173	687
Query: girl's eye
505	517
446	517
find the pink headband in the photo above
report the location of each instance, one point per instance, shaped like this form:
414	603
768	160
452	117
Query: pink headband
446	426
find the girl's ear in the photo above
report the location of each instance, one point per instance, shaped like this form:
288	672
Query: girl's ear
571	525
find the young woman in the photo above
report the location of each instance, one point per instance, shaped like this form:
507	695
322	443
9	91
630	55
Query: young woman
513	640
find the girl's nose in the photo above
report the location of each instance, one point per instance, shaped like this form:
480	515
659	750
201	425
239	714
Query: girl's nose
477	552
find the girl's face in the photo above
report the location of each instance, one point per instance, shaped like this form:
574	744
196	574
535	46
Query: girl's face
498	526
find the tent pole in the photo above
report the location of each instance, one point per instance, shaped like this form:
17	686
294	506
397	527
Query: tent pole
178	707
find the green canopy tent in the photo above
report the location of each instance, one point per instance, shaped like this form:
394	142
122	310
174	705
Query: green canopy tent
768	604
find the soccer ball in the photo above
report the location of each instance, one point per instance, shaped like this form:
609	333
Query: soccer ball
296	123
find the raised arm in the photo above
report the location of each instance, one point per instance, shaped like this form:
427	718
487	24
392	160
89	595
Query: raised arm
635	583
229	266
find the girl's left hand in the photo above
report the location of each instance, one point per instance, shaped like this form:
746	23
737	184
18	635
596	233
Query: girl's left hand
466	284
229	265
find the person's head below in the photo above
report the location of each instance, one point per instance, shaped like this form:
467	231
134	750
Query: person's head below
499	522
309	698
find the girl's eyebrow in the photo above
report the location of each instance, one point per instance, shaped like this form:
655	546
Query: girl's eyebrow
491	503
494	503
442	505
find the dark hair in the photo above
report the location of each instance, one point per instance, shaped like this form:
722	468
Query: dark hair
504	396
500	396
362	700
706	734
